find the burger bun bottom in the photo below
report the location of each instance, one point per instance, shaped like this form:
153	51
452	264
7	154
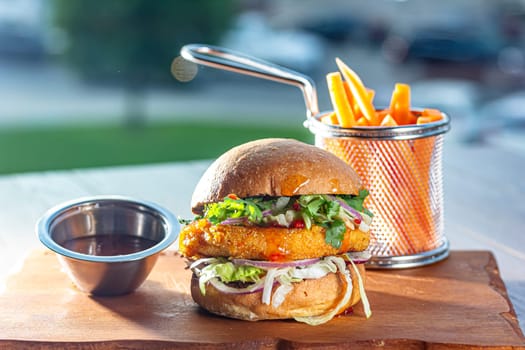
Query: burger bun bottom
310	297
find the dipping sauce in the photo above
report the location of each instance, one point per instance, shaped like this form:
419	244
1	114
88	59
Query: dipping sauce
108	244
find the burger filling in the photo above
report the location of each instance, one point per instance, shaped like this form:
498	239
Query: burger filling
335	213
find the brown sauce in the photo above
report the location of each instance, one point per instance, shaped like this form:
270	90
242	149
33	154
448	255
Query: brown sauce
109	244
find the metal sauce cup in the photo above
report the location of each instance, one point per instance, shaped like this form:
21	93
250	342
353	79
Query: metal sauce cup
107	245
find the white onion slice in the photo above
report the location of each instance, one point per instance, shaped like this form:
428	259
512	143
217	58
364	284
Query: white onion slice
314	271
364	298
268	286
281	202
319	319
280	294
199	262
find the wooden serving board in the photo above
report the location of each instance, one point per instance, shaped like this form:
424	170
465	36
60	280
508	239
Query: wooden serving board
460	303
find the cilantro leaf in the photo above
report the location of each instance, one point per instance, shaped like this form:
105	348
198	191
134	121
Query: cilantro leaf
332	209
334	233
357	202
314	206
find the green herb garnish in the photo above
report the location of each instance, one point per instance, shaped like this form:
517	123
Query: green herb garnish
357	202
318	209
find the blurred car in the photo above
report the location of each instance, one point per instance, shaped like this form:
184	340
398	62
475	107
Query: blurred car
448	42
295	49
337	28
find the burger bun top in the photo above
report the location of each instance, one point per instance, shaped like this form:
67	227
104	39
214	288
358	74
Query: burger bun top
274	167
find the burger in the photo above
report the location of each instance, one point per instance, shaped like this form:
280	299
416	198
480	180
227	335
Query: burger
280	232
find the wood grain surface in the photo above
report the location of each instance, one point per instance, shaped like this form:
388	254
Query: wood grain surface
459	303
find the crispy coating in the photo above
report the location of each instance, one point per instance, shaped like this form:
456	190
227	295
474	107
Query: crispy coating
202	239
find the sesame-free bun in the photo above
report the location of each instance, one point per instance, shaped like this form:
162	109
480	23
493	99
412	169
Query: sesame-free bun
274	167
310	297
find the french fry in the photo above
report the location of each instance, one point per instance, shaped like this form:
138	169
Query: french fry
429	115
349	96
342	108
371	94
352	101
330	119
427	119
432	112
355	107
388	121
359	92
381	114
400	105
362	122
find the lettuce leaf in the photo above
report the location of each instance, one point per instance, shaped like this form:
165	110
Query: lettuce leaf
231	208
228	272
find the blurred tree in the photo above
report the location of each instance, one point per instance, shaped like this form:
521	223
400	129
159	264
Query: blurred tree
133	42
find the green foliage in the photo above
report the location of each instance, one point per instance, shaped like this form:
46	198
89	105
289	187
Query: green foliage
66	147
134	41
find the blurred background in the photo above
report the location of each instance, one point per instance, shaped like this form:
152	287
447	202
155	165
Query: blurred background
89	83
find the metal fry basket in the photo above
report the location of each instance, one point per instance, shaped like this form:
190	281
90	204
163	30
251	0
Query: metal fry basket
402	168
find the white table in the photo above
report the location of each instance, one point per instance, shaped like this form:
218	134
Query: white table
484	204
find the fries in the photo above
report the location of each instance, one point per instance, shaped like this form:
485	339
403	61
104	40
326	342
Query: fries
352	101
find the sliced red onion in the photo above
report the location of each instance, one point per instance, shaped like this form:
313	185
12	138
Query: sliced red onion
267	212
345	205
354	212
359	257
234	221
253	288
275	264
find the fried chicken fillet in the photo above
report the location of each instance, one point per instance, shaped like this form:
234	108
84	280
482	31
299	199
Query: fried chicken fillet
202	239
